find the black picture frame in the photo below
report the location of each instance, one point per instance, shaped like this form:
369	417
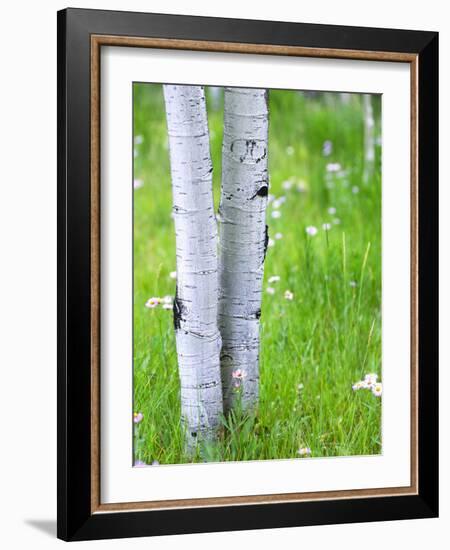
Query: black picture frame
75	518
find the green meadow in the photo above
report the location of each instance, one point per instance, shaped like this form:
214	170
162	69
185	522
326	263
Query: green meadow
317	339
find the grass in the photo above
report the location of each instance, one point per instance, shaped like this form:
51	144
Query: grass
313	347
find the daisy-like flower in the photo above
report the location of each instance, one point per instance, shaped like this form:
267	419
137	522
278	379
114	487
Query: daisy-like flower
287	185
271	243
289	295
336	221
276	214
377	389
353	284
371	378
138	140
274	279
138	417
152	302
278	236
137	184
355	189
304	451
331	210
300	387
239	374
167	300
173	274
167	306
139	464
311	230
289	150
270	290
333	167
326	226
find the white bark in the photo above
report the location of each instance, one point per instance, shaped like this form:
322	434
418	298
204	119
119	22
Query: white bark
369	139
198	339
243	241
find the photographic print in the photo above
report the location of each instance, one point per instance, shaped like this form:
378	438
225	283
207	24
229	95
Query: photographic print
257	274
247	266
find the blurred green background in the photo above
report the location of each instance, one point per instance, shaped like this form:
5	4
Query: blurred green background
313	346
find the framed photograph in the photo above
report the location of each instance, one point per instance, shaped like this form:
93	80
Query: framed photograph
247	287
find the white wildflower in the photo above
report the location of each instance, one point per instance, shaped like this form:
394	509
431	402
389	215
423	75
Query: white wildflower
289	295
173	274
137	183
152	302
371	378
270	290
377	389
333	167
276	214
304	451
239	374
274	279
332	210
326	226
278	236
311	230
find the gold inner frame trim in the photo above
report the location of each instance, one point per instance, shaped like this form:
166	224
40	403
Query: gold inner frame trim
97	41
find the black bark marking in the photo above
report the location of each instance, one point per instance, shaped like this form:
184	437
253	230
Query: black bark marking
258	314
178	308
266	242
263	191
248	148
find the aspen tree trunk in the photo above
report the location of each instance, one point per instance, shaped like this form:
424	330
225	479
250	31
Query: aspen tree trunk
198	339
243	241
369	139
